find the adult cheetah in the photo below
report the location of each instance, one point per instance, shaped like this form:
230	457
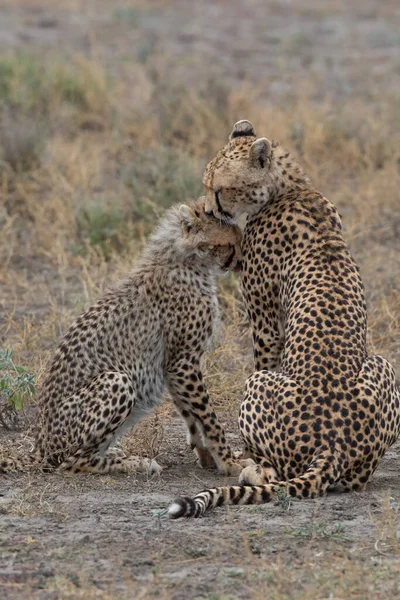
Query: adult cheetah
147	333
318	411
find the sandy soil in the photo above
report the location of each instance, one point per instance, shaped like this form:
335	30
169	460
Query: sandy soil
105	533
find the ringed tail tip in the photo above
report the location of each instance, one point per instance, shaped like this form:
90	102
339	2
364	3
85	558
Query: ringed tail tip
182	507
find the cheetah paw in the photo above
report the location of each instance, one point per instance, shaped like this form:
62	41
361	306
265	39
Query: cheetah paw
233	469
240	455
247	462
155	468
116	452
251	475
205	458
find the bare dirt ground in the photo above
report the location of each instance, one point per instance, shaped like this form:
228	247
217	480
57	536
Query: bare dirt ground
319	76
99	536
62	537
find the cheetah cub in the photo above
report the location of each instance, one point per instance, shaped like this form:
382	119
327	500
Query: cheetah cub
146	334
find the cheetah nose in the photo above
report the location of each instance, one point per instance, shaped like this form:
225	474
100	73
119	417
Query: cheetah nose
209	213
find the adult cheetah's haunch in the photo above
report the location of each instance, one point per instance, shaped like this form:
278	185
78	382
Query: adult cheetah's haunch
319	411
149	331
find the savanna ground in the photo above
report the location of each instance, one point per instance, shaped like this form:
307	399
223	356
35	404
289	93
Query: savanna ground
109	112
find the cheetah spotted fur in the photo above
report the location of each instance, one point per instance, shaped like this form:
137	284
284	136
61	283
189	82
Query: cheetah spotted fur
318	412
146	334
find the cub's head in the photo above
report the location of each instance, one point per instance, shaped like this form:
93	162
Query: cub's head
213	241
247	173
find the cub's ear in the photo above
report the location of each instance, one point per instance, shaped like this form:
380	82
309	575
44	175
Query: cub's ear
261	153
242	129
188	217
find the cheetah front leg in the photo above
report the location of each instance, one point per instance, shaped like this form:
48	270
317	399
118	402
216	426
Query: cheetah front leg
267	324
268	344
194	438
186	385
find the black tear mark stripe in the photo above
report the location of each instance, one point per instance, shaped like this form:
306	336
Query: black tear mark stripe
220	209
217	200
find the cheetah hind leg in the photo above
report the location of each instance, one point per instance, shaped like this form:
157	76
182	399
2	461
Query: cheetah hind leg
254	434
111	398
377	387
111	463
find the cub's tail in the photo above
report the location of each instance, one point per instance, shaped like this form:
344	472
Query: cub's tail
322	472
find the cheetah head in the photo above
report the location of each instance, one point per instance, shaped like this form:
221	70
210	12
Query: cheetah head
246	174
210	238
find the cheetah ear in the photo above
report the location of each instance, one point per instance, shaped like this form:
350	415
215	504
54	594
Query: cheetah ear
188	217
261	153
242	129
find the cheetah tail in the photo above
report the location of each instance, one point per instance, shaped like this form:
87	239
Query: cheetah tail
321	473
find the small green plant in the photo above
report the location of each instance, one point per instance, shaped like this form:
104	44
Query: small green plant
159	512
16	384
197	552
257	509
283	499
233	572
320	529
20	80
127	15
256	533
145	51
37	87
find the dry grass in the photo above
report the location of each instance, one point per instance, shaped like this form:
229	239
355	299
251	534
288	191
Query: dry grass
75	219
32	501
